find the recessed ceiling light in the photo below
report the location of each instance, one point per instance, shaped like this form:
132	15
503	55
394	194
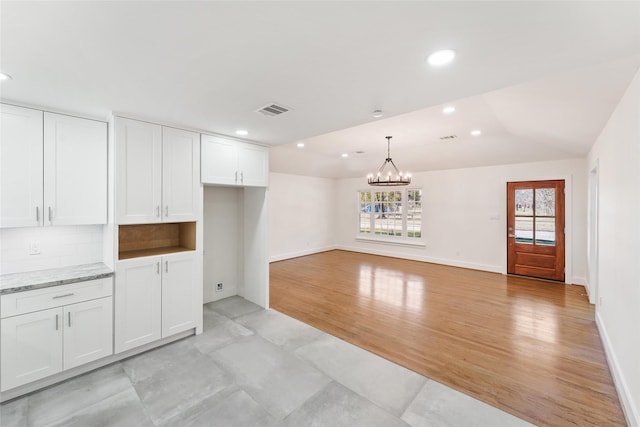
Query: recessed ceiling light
4	76
242	132
300	145
441	57
476	132
449	109
377	114
345	155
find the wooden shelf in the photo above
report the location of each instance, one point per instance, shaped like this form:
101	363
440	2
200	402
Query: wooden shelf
140	240
150	252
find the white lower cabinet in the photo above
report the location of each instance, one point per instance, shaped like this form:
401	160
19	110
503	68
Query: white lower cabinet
31	347
63	333
156	297
88	332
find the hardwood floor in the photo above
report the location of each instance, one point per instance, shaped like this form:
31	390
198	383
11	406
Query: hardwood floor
528	347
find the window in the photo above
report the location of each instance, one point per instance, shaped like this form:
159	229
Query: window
535	212
395	213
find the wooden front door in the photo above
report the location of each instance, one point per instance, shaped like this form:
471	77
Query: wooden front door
535	229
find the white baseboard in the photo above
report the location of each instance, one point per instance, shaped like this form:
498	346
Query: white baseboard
297	254
629	407
580	281
444	261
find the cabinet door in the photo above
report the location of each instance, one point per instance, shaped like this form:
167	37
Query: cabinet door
88	331
138	171
20	166
219	161
180	174
253	164
137	302
179	293
31	347
75	170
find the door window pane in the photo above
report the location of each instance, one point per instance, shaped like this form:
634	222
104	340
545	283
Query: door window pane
545	231
524	202
524	230
545	201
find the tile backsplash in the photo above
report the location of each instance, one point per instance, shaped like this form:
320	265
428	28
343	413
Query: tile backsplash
58	247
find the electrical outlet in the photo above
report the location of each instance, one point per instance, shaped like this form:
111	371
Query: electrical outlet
34	248
219	287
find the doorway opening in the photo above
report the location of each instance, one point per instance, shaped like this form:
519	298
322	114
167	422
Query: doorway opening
593	235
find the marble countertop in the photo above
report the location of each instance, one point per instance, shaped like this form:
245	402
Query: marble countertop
19	282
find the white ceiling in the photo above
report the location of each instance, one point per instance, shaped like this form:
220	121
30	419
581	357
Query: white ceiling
539	78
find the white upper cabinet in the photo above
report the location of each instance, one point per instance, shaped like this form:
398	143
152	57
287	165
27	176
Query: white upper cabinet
54	169
138	176
180	174
227	162
20	167
75	170
253	164
219	161
157	172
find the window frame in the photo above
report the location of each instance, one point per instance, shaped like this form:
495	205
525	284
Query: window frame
404	238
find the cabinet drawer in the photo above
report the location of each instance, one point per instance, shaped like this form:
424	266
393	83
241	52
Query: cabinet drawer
55	296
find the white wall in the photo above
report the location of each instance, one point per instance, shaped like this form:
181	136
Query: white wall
464	213
59	247
617	154
301	215
255	266
223	226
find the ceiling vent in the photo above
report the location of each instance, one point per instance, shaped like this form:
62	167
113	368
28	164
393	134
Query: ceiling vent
448	137
272	110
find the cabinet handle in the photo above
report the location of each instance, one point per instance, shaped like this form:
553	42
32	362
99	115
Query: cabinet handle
62	296
69	316
166	266
56	322
241	177
50	213
38	214
166	210
236	177
158	211
158	267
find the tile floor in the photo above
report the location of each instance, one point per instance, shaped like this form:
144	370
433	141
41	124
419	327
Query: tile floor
252	367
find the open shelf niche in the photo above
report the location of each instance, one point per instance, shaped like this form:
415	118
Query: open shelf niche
140	240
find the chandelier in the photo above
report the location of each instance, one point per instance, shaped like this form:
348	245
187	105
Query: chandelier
393	177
